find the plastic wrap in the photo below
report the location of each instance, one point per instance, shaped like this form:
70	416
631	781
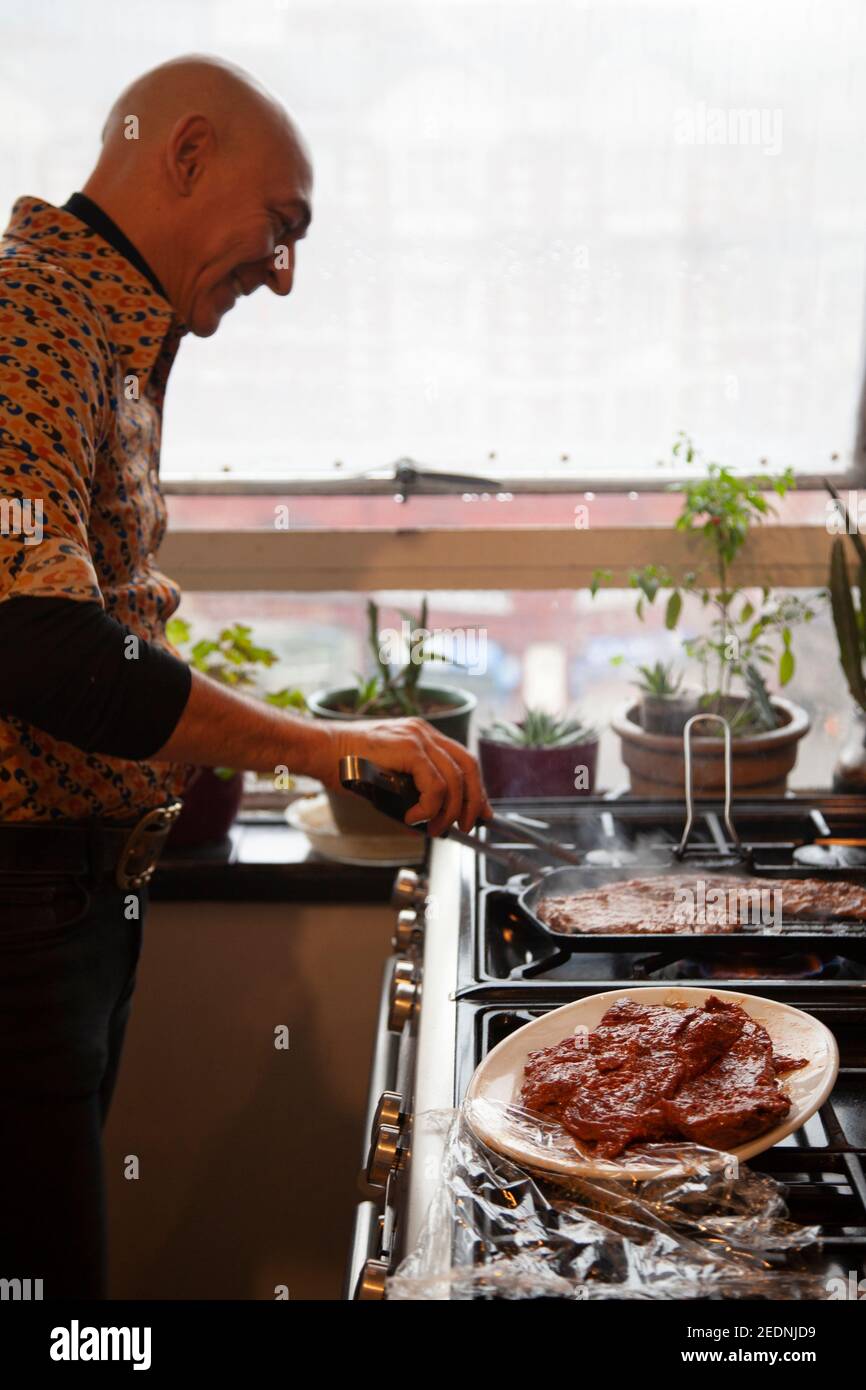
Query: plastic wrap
705	1226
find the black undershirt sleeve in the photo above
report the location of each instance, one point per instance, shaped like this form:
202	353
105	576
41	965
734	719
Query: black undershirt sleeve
67	668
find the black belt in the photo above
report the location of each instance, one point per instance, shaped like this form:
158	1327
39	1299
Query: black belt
94	849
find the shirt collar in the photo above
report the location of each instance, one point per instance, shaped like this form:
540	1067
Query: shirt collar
141	320
92	215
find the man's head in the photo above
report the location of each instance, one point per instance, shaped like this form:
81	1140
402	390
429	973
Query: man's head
205	173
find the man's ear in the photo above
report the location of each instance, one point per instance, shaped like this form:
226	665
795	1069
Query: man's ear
190	145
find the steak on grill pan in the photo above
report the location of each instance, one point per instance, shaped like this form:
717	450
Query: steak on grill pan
667	903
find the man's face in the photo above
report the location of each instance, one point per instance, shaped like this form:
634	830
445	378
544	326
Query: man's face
246	230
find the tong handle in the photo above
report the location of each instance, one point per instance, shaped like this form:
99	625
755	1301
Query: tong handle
395	793
690	810
392	793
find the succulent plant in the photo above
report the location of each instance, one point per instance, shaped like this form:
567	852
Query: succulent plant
539	729
659	679
849	618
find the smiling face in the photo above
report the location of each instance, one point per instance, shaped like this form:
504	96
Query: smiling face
242	227
215	189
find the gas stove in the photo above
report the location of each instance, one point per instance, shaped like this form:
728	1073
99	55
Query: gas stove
469	969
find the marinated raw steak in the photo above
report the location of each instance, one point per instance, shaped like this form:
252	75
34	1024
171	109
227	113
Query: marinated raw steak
650	1072
737	1097
679	903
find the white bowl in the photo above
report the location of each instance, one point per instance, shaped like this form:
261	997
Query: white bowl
313	816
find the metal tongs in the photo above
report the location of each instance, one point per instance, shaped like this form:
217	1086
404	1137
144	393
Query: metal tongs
738	849
395	793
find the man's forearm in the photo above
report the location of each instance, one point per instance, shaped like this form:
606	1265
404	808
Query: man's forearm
222	728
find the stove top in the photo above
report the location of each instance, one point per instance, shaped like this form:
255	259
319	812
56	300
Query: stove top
501	945
510	972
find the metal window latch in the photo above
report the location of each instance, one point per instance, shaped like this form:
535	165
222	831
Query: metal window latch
410	478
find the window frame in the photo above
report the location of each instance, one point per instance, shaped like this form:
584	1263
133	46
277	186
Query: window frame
429	486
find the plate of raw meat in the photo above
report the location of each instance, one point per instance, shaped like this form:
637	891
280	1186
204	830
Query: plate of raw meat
628	1077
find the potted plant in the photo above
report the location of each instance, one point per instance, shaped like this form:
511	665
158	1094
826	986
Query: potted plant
393	691
541	755
749	632
213	797
664	706
849	620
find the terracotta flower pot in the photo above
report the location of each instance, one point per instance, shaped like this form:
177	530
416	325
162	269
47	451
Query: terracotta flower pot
509	770
351	814
210	805
760	762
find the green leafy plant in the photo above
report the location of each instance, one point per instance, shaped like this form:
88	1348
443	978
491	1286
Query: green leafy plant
849	618
538	729
394	689
749	629
232	658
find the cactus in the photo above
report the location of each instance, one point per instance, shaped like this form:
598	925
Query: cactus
394	692
849	619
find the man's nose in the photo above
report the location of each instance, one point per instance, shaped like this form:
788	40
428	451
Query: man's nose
282	272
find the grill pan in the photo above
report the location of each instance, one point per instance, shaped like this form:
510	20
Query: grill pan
531	885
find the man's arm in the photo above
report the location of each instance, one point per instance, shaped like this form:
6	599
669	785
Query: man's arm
220	727
66	670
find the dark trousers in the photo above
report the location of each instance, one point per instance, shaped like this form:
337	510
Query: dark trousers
68	957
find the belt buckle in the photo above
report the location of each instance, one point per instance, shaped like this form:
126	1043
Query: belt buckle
141	852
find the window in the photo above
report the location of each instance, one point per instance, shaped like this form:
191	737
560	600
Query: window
551	649
547	234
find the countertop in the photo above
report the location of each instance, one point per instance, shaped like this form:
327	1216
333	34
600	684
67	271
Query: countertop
265	860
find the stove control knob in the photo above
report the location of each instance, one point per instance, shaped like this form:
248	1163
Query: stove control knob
384	1156
403	997
409	932
410	889
371	1281
389	1111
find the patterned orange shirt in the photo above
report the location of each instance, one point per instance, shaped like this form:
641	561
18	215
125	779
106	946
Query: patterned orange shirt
86	346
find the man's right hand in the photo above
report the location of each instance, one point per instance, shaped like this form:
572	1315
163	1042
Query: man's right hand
445	773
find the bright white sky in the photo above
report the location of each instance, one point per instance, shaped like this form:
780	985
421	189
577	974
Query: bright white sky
528	240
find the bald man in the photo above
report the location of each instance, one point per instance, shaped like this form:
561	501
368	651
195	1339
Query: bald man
200	195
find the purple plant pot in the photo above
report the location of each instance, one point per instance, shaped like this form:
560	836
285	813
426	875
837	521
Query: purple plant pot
210	805
511	771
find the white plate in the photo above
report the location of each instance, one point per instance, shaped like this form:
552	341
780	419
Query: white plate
312	815
499	1078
